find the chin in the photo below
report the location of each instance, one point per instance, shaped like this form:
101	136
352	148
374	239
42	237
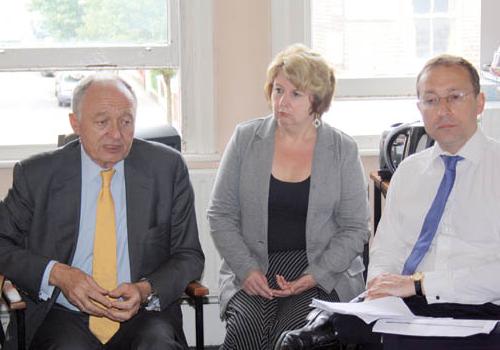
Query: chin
112	160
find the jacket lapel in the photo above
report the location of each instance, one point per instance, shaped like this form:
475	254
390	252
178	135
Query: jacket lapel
320	174
64	205
261	164
138	196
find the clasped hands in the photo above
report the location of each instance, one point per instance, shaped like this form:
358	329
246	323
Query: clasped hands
256	284
119	304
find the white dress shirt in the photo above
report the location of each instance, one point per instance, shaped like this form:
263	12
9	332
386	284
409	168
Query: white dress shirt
463	261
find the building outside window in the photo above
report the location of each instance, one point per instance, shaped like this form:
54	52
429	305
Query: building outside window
377	49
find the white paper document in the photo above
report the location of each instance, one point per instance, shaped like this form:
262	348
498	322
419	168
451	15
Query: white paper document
395	317
370	310
435	327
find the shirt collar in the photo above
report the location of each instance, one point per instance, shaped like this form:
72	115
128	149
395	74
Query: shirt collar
471	151
92	171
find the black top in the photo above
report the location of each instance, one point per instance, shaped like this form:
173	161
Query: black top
287	214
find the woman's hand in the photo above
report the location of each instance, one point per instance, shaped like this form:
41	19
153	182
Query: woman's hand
256	284
388	284
298	286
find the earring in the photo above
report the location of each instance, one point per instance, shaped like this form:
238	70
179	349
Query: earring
316	122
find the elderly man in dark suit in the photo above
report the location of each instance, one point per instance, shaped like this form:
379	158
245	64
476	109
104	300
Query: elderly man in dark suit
54	225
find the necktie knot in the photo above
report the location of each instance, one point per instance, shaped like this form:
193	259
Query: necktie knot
450	162
106	176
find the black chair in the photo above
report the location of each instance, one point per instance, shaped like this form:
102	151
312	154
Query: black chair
165	134
15	307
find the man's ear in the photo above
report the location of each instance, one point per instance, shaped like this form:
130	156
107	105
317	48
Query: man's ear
481	101
75	123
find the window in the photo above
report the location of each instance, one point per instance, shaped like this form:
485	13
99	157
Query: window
193	19
377	48
392	38
432	27
89	34
47	46
35	105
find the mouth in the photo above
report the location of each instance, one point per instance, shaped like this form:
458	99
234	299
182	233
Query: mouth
446	126
113	148
283	113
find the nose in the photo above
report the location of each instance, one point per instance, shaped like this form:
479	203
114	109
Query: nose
444	105
283	101
114	130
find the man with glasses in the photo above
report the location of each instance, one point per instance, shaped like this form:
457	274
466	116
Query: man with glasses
438	242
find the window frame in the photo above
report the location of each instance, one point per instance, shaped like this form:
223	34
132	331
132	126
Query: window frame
101	57
190	45
291	22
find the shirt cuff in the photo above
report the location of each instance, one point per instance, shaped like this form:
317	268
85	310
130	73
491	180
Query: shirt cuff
153	304
438	287
46	290
153	301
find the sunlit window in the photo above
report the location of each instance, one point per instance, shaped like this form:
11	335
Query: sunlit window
35	105
378	47
392	38
48	46
86	22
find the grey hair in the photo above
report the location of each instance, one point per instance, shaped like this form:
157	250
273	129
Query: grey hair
85	83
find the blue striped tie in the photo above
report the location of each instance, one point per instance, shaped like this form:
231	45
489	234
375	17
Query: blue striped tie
434	215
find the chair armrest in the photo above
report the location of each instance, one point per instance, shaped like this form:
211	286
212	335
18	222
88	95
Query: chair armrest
196	289
11	295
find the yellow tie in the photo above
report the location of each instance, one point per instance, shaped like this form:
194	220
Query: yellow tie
104	269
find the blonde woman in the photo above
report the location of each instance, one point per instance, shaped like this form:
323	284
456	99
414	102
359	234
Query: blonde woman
289	212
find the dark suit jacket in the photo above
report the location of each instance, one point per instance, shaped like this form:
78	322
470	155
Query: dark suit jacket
39	221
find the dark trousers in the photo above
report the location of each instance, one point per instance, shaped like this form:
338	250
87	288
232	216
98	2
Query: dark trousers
67	329
352	330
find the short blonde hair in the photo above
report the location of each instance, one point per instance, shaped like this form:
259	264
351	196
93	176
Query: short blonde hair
308	71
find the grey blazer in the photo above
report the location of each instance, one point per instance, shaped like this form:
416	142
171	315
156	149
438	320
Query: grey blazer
39	221
337	217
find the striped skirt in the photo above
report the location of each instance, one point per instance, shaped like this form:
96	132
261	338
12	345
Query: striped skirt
254	323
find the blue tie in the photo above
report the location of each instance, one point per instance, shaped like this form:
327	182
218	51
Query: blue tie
434	215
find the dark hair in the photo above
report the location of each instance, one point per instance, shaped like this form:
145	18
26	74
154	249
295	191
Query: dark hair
449	61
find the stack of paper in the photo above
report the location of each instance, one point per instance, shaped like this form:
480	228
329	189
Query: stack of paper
394	317
370	310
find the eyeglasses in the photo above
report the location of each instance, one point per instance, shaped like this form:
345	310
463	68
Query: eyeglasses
432	101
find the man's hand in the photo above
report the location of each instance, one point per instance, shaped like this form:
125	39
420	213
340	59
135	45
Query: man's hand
298	286
129	297
256	284
80	289
387	284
